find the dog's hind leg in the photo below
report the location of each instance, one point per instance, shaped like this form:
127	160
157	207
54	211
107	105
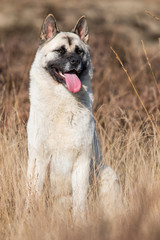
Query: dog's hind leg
109	191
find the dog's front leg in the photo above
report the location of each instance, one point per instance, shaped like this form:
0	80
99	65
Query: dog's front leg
37	166
80	182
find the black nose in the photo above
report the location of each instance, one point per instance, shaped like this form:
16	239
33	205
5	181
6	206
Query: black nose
74	61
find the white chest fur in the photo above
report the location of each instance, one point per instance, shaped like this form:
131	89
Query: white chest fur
58	123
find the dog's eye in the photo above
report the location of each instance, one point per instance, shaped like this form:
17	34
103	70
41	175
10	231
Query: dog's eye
62	50
78	50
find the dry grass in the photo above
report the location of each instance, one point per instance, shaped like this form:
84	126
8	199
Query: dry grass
130	144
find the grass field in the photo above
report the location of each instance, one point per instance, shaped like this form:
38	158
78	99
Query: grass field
128	130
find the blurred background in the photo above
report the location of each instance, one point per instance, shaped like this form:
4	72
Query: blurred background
118	24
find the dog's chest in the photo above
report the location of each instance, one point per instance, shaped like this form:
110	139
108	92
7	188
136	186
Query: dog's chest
59	125
70	128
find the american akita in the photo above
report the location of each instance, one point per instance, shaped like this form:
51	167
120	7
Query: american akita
61	127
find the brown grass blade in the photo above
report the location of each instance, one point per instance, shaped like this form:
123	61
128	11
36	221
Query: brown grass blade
152	15
150	66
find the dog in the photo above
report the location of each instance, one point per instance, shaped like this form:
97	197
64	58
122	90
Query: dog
61	128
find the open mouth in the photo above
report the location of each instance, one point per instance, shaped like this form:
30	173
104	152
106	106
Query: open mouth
70	79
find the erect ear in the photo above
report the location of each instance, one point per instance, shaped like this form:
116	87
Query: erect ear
49	28
81	28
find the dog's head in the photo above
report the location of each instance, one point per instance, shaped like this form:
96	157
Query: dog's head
65	55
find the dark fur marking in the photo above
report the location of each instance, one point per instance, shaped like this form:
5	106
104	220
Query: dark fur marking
69	39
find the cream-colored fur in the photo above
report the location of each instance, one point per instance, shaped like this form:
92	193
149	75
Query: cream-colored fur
62	133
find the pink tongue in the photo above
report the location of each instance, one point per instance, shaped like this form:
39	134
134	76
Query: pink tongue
73	82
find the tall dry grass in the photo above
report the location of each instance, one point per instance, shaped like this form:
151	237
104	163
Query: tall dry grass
130	144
